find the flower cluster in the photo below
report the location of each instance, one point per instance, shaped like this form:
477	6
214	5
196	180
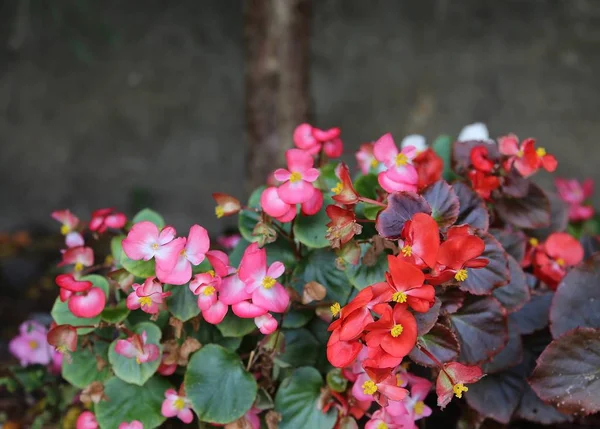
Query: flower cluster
31	347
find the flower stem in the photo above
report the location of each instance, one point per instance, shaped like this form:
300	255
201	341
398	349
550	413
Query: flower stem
370	201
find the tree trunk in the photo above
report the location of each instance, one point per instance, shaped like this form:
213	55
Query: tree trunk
276	36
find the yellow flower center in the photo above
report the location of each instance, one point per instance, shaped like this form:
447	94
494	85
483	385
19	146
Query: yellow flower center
78	266
179	404
183	252
295	177
109	260
338	188
268	282
138	361
399	380
461	275
459	389
534	241
64	229
211	272
155	246
399	297
208	290
401	160
560	261
520	154
397	330
145	301
33	345
335	309
419	408
374	163
405	365
406	250
62	349
219	211
369	388
382	425
540	151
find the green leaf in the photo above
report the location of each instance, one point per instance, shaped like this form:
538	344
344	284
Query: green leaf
128	369
219	388
371	211
62	315
116	249
442	146
311	230
128	402
297	401
141	268
30	378
319	266
362	275
367	186
233	326
297	318
149	215
300	348
82	368
328	179
116	313
248	219
182	303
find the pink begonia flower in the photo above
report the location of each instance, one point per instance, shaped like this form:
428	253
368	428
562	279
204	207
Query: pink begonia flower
233	291
366	159
86	420
266	323
525	157
68	228
252	418
248	310
330	139
260	280
193	253
575	195
413	404
383	419
178	406
145	242
400	174
31	346
228	241
312	206
297	187
272	204
136	347
103	219
136	424
70	283
365	388
79	257
149	296
208	286
87	304
304	139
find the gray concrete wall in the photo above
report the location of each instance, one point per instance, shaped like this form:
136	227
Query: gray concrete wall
158	108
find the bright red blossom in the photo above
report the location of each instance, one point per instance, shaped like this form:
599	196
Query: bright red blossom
525	158
555	256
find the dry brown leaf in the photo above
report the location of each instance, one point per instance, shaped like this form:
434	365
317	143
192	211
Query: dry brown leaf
313	291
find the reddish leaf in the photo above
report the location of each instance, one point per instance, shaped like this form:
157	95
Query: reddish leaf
401	207
513	242
425	321
567	373
515	294
590	245
481	281
533	316
535	410
481	328
454	373
510	355
452	299
559	218
472	209
444	203
440	342
576	302
530	212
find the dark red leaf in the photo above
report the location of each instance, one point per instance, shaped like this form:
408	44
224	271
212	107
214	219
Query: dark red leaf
576	301
401	207
533	316
472	209
535	410
440	342
530	212
452	299
481	281
515	185
444	203
481	328
511	354
516	293
559	218
567	374
425	321
590	245
513	242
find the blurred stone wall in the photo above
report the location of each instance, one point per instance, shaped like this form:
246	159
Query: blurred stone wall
141	101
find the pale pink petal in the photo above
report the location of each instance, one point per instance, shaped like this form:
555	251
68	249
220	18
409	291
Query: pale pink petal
282	174
390	185
180	274
508	145
404	174
233	290
385	149
310	175
247	310
289	216
275	299
125	348
133	301
276	269
216	313
74	239
357	389
169	254
138	243
219	261
206	299
295	193
200	280
272	204
185	415
166	235
410	152
298	160
253	265
116	220
197	244
168	408
266	324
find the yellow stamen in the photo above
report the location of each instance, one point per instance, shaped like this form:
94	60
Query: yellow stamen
65	229
397	330
137	360
406	250
33	345
459	389
399	380
382	425
179	404
335	309
534	241
183	252
155	246
560	261
145	301
374	163
211	272
295	177
268	282
109	260
401	160
338	188
540	151
208	290
419	408
461	275
405	365
219	211
399	297
520	154
369	388
78	266
62	349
